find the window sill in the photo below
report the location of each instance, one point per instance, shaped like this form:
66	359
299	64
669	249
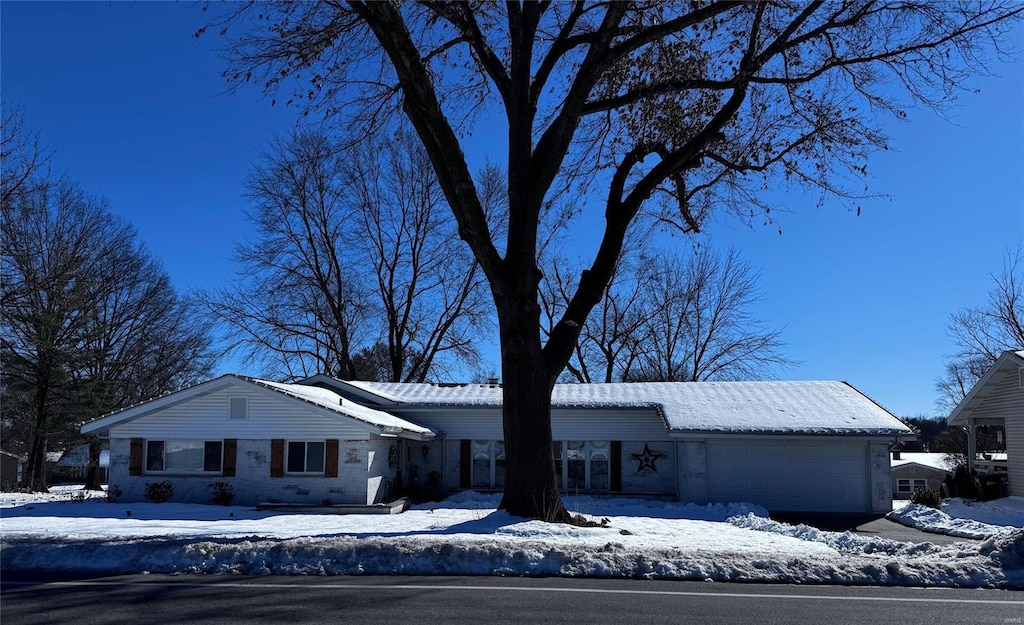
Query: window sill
181	474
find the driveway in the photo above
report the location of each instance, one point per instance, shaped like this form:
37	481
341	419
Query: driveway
884	528
866	525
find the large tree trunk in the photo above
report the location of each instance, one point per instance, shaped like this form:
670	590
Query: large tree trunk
35	469
34	478
531	487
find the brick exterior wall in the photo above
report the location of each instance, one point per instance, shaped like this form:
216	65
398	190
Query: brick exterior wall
364	476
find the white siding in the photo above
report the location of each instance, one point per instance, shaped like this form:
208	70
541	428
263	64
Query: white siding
271	415
693	472
820	475
1015	454
484	423
1006	401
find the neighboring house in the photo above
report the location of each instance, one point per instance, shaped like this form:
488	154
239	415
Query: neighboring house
997	400
10	474
914	470
789	446
74	464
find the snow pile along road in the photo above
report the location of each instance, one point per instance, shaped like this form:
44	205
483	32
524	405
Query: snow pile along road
465	535
964	519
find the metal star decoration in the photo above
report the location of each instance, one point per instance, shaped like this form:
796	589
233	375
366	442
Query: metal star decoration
647	459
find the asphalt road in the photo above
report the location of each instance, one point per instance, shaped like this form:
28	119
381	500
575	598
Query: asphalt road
481	600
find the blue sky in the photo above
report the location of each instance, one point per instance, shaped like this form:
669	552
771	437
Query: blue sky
137	112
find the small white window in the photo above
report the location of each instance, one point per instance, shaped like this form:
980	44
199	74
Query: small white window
903	486
238	408
920	484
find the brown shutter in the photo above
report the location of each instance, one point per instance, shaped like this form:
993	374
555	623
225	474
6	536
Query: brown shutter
230	451
465	462
277	457
331	458
135	457
616	465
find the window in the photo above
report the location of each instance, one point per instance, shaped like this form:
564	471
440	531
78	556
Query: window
170	456
582	465
305	457
903	486
488	470
920	484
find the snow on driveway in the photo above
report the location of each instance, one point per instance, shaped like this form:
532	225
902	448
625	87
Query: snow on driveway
965	519
466	535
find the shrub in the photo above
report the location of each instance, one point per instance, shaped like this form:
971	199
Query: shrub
113	494
222	493
926	497
159	492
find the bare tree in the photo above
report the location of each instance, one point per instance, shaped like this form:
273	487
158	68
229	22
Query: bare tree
702	327
608	344
356	252
672	318
91	322
139	340
299	307
701	103
980	334
22	159
428	286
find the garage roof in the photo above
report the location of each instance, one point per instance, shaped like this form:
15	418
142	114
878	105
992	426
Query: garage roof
824	407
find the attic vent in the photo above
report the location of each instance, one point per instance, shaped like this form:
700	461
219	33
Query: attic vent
238	408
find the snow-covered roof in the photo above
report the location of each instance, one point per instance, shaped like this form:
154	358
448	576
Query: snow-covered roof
79	457
320	397
935	461
327	398
771	407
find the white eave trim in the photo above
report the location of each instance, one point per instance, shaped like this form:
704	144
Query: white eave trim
803	434
962	411
103	424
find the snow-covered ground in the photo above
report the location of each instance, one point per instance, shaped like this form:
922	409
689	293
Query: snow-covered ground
965	519
466	535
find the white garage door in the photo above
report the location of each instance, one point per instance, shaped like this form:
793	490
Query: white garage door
790	475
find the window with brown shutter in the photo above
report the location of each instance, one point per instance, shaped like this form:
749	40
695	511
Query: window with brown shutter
230	451
135	457
277	457
331	462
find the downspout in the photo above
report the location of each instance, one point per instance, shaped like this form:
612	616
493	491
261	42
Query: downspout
972	446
